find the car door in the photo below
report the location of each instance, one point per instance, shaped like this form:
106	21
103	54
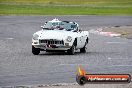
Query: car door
83	39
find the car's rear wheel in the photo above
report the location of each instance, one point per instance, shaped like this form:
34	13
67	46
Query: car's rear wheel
83	50
35	51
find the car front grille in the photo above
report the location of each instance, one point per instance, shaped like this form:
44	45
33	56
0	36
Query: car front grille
51	41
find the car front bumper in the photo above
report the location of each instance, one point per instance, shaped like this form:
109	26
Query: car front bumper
52	47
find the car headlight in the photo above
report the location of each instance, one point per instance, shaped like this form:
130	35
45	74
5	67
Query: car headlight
69	39
35	37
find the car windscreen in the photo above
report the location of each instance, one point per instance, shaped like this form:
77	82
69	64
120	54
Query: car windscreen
65	25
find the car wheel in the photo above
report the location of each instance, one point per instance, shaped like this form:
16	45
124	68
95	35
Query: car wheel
71	51
35	51
83	50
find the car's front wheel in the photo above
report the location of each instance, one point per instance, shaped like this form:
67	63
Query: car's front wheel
35	51
71	51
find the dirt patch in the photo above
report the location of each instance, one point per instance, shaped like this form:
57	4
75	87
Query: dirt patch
125	31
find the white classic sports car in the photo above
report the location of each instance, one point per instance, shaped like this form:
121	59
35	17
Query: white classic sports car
59	35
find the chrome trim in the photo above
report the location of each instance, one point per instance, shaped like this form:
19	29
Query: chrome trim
51	41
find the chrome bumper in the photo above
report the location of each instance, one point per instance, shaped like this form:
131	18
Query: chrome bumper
52	47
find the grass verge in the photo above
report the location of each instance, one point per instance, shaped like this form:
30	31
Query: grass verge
16	9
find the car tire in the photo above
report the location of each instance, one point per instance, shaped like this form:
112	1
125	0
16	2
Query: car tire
83	50
71	51
35	51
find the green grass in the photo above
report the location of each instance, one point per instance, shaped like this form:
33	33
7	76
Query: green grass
56	7
67	2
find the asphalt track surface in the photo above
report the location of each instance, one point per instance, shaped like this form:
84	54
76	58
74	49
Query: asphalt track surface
18	66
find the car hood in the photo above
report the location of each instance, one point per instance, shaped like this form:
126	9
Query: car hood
55	34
